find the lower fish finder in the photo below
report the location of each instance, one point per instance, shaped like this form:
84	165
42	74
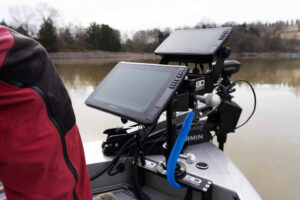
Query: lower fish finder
137	91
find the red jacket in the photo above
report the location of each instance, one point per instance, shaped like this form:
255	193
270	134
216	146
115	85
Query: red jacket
41	152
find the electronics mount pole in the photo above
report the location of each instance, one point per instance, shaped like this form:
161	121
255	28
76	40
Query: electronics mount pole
171	127
171	121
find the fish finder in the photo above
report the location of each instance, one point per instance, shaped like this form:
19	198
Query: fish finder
136	91
200	45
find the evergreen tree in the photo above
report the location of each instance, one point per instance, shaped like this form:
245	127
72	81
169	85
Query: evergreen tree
109	39
93	35
103	37
47	36
22	30
3	23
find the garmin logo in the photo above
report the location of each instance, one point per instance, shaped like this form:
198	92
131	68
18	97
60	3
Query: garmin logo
200	85
113	107
192	138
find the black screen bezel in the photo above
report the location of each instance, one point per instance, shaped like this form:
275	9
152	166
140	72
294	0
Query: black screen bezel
215	45
140	117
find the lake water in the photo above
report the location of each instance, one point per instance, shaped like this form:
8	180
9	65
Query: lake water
267	149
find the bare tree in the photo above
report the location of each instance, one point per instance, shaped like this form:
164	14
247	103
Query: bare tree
23	17
46	12
27	19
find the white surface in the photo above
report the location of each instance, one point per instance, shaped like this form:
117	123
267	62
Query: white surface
93	152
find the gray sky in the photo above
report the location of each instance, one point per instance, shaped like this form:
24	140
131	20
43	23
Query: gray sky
131	15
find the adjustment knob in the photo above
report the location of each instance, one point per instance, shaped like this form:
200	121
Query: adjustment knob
190	158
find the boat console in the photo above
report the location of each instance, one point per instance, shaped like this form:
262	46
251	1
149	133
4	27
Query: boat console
166	152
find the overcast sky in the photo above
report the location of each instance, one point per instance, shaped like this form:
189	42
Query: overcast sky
130	15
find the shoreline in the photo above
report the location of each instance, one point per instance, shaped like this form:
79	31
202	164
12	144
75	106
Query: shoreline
100	57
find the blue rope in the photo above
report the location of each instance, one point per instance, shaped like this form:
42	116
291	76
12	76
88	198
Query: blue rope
172	161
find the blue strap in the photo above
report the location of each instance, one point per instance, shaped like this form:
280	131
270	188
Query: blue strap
172	161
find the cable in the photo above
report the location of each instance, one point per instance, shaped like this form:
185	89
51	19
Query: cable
114	161
172	160
219	85
154	143
125	146
254	95
121	166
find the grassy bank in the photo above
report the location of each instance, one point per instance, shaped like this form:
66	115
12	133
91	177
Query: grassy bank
107	57
99	57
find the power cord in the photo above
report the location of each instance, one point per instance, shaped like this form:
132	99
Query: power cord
120	167
114	161
254	96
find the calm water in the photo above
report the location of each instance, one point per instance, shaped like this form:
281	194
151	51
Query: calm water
267	149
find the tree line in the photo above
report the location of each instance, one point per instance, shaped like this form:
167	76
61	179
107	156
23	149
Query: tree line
252	37
258	37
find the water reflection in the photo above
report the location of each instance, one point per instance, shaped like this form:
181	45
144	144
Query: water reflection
257	71
271	71
77	76
266	149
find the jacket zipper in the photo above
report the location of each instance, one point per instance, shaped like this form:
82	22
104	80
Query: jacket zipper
62	137
54	122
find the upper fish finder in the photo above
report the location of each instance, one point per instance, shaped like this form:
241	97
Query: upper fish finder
137	91
195	43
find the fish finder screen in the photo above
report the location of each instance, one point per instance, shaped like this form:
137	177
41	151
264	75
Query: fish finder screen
195	41
132	88
137	91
